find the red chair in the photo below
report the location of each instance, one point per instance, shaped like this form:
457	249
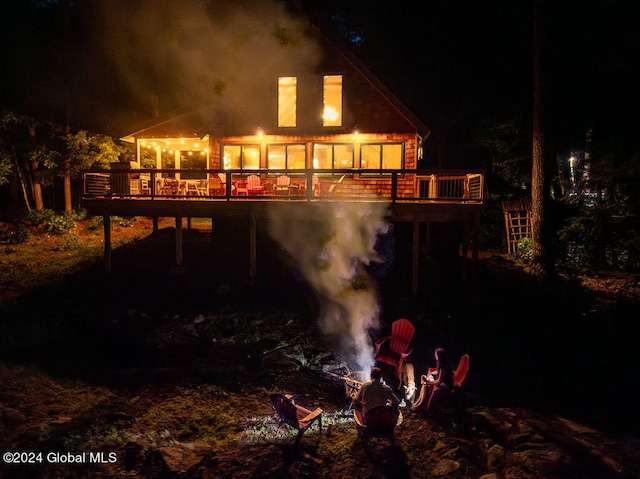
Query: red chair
295	415
394	349
458	378
380	422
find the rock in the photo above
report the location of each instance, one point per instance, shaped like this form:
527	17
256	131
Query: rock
181	457
445	467
279	360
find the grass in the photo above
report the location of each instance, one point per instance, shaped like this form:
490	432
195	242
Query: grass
47	257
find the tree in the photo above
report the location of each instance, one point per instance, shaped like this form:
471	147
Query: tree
28	147
541	263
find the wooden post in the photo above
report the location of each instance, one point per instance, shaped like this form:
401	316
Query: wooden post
252	247
155	224
415	265
106	223
465	251
178	240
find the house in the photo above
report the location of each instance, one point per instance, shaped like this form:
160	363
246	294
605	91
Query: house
333	132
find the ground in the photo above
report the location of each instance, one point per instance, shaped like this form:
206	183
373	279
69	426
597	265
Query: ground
170	368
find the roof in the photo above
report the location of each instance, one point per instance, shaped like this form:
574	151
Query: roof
369	106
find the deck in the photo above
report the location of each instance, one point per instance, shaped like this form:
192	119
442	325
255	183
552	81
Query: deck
413	196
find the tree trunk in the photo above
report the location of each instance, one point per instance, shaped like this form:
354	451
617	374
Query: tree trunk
25	195
36	187
542	263
68	207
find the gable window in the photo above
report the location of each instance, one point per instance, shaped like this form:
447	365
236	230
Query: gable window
381	156
286	157
332	156
332	100
287	101
241	157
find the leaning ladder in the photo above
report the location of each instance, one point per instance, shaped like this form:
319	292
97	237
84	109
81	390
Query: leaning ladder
517	220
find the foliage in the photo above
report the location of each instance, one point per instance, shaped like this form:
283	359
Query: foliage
524	250
90	150
53	222
98	221
14	234
597	239
508	142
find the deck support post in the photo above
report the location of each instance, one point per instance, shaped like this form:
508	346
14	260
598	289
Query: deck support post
415	260
178	240
155	224
252	247
106	223
465	252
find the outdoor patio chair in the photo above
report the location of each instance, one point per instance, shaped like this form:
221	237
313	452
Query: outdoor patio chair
169	186
223	184
379	422
254	185
294	415
459	376
394	349
282	185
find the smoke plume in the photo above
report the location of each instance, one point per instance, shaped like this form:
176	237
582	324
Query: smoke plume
333	244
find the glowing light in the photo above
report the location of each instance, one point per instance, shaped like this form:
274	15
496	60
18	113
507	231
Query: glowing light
182	141
330	114
190	153
206	150
260	132
195	145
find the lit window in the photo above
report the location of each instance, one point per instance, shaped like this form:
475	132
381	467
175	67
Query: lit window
241	157
383	156
193	161
287	101
286	157
332	101
332	156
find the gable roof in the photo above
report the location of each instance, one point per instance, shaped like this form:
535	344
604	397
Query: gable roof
369	106
422	130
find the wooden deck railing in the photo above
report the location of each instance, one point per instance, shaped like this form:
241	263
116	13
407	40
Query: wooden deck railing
460	186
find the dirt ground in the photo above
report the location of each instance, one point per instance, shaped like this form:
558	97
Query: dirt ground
160	371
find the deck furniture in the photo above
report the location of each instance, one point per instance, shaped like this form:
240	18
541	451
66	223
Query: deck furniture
254	186
295	415
282	185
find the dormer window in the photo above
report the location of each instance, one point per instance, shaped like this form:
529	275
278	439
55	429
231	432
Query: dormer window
287	101
332	100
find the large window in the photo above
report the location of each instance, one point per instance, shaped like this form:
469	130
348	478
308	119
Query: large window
332	156
241	157
381	156
193	160
286	157
332	100
287	101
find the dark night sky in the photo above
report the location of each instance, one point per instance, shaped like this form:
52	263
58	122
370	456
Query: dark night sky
450	61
